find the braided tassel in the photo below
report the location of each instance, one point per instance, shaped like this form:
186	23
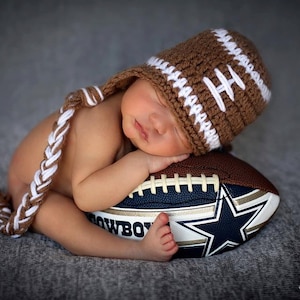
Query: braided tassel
18	222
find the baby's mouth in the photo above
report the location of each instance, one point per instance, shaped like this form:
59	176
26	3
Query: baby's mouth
141	130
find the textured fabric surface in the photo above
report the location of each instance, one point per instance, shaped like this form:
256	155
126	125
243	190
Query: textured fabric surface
49	48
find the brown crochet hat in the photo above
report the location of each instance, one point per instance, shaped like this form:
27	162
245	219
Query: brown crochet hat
215	83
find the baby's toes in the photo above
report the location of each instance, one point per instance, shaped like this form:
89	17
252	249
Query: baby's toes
166	237
171	247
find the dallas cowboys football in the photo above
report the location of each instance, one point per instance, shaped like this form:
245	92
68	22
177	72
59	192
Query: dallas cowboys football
215	202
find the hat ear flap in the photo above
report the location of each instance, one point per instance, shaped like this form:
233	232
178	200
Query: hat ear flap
118	83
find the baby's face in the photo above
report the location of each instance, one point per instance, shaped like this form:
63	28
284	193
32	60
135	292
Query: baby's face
148	122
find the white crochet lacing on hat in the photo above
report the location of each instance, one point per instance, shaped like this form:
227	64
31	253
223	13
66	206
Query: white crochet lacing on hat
225	86
190	100
231	47
92	101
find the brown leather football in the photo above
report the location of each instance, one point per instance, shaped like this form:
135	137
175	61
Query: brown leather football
215	203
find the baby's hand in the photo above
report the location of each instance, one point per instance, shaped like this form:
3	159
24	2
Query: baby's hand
158	163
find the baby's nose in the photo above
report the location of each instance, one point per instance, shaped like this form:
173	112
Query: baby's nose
158	122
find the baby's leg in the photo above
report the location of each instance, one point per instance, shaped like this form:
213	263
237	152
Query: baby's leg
61	220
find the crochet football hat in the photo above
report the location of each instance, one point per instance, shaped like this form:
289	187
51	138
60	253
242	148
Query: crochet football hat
215	83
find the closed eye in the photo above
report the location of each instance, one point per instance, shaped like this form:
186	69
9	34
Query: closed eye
161	99
182	138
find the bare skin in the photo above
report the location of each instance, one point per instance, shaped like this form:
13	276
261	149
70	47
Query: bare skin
128	136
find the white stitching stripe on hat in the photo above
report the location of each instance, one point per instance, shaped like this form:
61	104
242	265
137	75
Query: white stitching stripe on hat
92	101
210	134
224	86
226	40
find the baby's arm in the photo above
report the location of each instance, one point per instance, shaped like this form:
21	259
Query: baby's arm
110	185
102	173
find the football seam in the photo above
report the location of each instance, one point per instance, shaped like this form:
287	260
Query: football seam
177	181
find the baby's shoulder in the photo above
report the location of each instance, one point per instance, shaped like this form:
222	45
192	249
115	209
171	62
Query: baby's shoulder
100	124
103	116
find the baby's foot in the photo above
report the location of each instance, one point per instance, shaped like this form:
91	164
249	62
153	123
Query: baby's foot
159	243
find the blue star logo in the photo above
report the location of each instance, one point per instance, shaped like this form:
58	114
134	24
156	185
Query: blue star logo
227	228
